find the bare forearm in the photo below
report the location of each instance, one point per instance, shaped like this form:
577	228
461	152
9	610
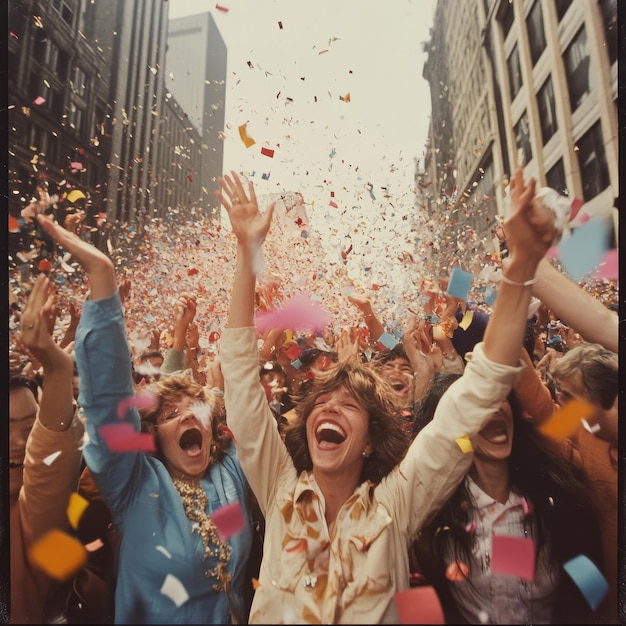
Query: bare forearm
241	311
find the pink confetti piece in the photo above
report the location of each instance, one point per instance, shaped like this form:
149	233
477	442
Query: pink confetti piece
124	438
575	207
222	9
527	506
229	520
513	556
143	400
39	100
76	165
298	313
419	605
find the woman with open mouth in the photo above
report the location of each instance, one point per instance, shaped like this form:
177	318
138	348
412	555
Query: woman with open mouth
343	497
174	565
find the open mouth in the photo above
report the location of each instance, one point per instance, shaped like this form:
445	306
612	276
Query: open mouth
329	433
191	442
495	432
400	387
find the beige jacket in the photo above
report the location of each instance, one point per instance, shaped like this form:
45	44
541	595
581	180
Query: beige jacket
39	506
350	577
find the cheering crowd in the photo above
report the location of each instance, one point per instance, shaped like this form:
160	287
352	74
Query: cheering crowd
235	465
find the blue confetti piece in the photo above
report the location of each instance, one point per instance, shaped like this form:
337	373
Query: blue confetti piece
296	364
387	340
150	318
588	579
265	176
583	250
459	283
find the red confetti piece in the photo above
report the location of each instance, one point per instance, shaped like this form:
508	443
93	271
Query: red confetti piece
14	225
513	556
214	336
190	178
575	207
267	152
192	271
229	520
145	400
222	9
44	265
293	352
124	438
419	605
333	204
299	546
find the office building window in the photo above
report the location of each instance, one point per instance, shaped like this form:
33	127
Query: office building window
594	171
609	18
547	110
507	16
79	82
576	60
515	72
522	139
65	10
75	118
555	177
561	7
536	35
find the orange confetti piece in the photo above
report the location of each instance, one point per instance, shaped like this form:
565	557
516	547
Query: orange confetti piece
14	225
44	265
75	508
566	420
243	133
256	584
58	554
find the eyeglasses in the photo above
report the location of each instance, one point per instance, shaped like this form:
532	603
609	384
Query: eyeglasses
163	418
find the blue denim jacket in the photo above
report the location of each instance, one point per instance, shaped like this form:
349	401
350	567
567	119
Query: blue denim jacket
156	537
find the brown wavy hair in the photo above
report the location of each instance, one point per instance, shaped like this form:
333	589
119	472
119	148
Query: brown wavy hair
389	439
173	388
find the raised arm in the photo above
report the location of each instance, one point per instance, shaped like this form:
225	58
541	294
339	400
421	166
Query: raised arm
56	407
250	228
576	307
529	232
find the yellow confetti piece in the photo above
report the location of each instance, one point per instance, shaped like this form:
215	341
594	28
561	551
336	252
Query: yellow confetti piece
566	420
465	444
58	554
75	508
467	319
243	133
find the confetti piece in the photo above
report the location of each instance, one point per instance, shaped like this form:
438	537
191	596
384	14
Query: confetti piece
298	312
465	444
575	207
14	225
58	554
280	25
268	152
222	9
527	507
51	458
566	420
387	340
163	551
345	98
76	165
39	100
75	508
94	546
583	250
588	579
419	605
333	204
293	352
459	283
124	438
174	590
466	320
256	584
457	572
296	364
243	133
265	176
470	527
229	520
143	400
513	556
44	265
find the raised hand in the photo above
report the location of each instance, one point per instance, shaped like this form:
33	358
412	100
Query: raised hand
36	333
347	346
98	266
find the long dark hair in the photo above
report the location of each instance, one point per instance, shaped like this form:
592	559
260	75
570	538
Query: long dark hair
555	487
389	440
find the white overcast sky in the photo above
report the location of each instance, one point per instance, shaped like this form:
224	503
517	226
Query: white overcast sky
373	53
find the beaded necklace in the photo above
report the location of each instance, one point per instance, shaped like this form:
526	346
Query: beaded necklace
194	503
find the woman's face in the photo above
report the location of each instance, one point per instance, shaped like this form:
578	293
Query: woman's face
184	439
338	434
495	440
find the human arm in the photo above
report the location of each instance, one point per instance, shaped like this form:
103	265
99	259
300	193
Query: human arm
70	331
184	313
364	304
347	346
575	307
416	343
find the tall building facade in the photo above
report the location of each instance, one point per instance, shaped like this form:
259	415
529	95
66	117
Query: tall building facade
523	81
196	76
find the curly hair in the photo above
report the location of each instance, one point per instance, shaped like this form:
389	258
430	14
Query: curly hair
388	437
173	389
